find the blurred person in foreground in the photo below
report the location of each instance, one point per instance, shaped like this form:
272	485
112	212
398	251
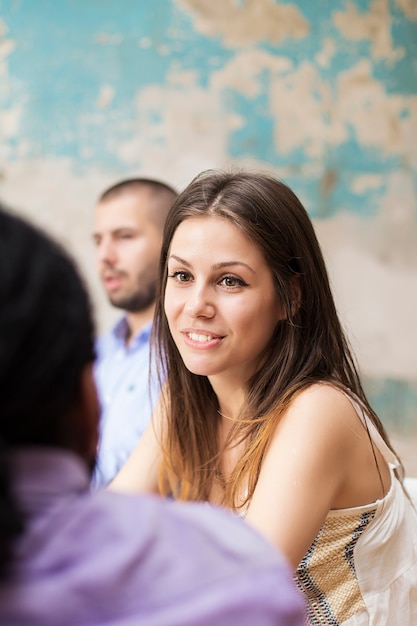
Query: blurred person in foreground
71	556
128	224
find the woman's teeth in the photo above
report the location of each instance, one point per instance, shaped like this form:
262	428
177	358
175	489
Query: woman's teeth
200	338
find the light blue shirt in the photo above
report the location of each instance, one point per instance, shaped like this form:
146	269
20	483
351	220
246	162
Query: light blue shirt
126	394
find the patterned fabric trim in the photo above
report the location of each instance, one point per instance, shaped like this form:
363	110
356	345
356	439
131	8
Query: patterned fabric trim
327	576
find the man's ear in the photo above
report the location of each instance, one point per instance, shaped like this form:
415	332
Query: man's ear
86	416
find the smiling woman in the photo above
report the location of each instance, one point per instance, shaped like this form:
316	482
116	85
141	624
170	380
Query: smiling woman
263	410
212	299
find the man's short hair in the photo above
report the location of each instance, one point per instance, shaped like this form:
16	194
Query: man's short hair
162	196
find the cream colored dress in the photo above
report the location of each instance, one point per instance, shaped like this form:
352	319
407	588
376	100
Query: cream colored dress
361	569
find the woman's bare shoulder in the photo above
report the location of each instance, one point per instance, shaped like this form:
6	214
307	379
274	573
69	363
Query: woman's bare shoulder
323	391
325	398
322	415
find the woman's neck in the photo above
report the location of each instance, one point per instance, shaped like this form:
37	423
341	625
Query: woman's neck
230	397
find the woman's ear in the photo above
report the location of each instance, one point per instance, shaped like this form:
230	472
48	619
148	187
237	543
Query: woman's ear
86	416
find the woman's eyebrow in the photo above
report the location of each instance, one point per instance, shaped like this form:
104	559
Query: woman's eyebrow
216	266
179	259
219	266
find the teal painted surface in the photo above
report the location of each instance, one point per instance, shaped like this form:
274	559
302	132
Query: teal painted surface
66	51
395	402
59	65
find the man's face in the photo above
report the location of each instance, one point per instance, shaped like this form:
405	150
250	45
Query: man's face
128	246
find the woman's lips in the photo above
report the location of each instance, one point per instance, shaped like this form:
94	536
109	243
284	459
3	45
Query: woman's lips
201	339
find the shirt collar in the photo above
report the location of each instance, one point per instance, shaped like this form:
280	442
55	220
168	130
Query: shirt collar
121	331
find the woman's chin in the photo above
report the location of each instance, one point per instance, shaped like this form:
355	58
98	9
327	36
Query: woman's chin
200	369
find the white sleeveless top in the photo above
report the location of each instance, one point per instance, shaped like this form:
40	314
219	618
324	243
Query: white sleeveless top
361	569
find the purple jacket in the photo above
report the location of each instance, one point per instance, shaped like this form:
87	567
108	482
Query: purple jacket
109	559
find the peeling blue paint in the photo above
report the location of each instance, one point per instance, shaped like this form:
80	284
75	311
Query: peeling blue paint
66	51
395	402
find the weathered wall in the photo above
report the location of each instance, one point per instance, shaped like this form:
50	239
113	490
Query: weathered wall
323	94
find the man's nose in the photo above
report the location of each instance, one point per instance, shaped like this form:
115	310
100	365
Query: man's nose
106	251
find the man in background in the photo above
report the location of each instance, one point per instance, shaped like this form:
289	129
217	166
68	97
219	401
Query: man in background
129	221
69	556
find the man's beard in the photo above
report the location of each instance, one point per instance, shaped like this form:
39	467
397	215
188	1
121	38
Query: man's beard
138	301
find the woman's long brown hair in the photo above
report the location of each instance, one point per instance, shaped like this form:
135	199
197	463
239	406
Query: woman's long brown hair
309	346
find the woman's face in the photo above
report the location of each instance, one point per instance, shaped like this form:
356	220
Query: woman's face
220	300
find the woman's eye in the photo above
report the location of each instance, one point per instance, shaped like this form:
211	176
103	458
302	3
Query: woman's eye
181	277
232	282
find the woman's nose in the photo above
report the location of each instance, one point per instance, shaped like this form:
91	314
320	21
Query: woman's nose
199	303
